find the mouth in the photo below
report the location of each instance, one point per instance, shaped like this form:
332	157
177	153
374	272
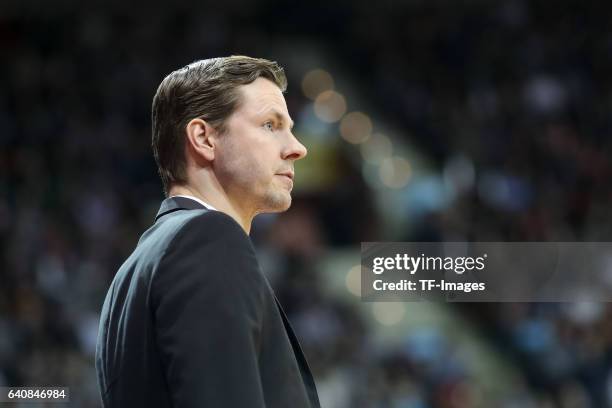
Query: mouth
288	177
288	174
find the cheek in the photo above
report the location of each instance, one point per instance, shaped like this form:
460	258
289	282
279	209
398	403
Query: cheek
246	168
250	159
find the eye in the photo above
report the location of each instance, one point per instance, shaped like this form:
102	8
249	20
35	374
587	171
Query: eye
269	125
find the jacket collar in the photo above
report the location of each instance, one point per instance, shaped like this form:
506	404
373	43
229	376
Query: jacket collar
177	203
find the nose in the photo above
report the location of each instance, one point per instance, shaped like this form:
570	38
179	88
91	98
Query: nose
294	150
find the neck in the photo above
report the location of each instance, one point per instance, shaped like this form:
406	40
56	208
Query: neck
215	196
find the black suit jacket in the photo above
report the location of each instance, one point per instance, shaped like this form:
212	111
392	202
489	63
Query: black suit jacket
191	321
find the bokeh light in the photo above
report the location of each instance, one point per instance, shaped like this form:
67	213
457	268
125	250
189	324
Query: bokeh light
356	127
315	82
353	280
330	106
389	313
395	172
376	148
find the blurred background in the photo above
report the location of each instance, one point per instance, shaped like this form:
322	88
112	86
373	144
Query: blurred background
424	120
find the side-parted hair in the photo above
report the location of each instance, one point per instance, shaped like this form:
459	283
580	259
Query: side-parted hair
206	89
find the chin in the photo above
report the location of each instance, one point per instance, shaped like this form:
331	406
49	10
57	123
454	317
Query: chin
278	203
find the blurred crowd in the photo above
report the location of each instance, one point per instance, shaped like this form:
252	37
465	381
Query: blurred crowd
511	101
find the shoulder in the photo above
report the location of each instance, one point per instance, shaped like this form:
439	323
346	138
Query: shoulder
210	255
209	227
210	239
213	221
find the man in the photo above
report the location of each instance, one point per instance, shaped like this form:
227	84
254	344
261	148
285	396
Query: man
189	319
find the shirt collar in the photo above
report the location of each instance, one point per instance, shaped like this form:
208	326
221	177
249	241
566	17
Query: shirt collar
210	207
176	203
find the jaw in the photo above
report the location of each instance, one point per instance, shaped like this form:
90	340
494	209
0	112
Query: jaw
276	200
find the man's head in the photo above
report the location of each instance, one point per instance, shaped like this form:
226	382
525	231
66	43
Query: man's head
229	115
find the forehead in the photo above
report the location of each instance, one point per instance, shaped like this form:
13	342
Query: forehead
261	95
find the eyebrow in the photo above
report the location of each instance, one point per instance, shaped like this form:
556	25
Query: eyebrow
280	117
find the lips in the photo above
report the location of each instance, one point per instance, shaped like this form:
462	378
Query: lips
287	174
288	177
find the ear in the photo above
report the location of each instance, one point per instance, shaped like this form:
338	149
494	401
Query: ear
201	140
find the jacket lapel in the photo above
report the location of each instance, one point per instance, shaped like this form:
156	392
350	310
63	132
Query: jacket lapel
304	368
